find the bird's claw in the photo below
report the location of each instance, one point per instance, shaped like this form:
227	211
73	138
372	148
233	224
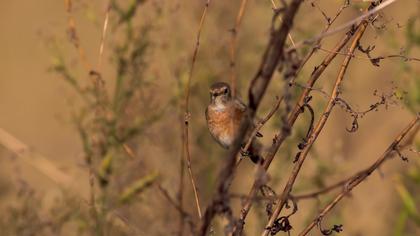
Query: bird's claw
245	153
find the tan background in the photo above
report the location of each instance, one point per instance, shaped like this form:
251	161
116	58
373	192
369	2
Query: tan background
35	104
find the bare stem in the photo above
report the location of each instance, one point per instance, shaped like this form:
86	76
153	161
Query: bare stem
187	113
320	125
104	30
280	137
361	176
271	59
345	25
233	42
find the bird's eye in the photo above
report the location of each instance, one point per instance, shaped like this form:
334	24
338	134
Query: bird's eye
225	90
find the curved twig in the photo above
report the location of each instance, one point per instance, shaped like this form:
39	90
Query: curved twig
361	176
320	125
187	113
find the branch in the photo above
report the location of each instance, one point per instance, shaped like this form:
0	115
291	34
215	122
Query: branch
320	125
317	43
271	59
185	215
233	41
260	124
372	10
185	140
292	117
361	176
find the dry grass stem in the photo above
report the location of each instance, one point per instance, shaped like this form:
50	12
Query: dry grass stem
187	113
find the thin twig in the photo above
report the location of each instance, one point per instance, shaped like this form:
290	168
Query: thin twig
129	151
288	35
187	113
185	215
271	59
320	125
404	58
361	176
102	44
260	124
325	190
345	25
280	137
338	184
73	37
233	42
181	187
317	43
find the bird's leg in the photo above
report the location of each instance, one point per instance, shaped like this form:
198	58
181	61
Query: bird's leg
244	153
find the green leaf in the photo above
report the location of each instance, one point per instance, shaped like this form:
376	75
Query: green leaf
401	222
138	186
414	174
408	202
412	35
106	165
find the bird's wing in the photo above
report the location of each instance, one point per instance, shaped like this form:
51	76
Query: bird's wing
240	105
243	108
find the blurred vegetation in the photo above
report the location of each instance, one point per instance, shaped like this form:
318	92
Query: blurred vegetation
127	115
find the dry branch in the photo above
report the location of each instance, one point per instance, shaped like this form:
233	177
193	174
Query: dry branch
272	57
39	162
233	41
318	128
260	124
185	140
372	10
292	117
314	48
361	176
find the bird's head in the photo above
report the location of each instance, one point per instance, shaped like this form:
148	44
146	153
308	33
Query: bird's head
220	93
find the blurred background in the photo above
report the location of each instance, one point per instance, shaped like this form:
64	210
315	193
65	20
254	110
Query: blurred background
91	143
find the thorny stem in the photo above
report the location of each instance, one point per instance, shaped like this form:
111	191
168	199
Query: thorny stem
361	176
187	113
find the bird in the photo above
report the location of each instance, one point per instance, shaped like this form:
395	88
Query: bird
224	116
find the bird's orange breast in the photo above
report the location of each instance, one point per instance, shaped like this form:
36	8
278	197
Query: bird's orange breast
224	124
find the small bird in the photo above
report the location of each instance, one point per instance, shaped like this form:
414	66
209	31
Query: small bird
224	116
